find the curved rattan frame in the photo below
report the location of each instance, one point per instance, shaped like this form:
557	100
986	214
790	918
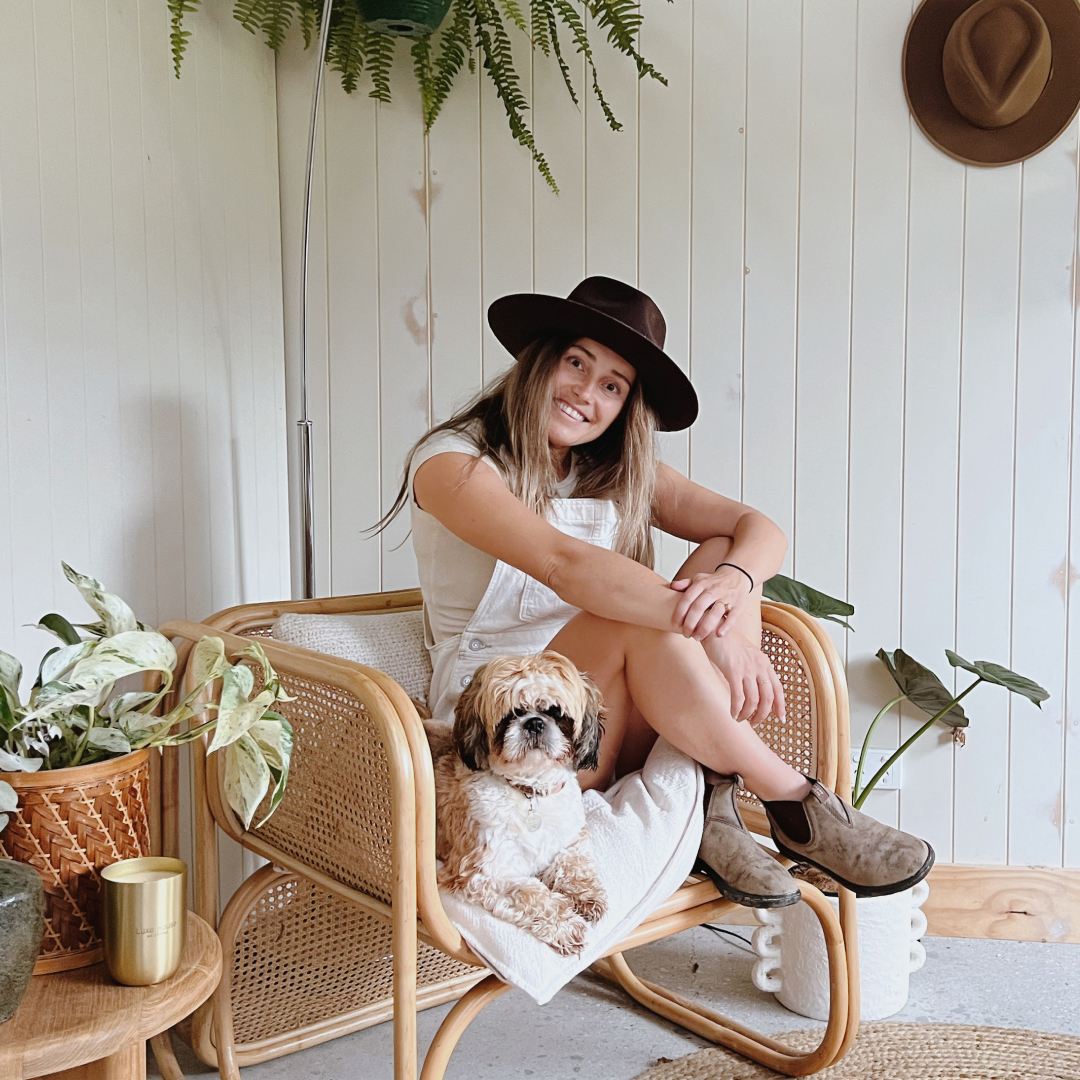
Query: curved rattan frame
415	911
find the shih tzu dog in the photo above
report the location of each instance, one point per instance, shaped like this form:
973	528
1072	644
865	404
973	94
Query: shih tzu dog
510	821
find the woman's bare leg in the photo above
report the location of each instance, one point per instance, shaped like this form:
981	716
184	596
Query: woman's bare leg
679	693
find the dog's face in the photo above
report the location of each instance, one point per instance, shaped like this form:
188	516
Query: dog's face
524	715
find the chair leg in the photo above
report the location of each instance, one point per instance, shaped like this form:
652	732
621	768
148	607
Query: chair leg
456	1021
735	1036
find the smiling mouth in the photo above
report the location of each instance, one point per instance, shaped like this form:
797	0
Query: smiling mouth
570	411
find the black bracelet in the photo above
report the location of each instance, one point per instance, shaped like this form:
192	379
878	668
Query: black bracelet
741	571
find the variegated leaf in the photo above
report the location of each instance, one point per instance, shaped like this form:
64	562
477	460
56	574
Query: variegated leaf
10	677
247	778
124	654
237	683
113	612
8	799
278	751
56	665
10	762
234	722
116	708
275	738
208	660
61	697
112	740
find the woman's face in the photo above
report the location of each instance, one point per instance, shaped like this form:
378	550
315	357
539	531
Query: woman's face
589	389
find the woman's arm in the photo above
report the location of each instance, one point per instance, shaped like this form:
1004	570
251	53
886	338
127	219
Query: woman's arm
695	513
476	506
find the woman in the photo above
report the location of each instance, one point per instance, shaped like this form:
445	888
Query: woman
531	510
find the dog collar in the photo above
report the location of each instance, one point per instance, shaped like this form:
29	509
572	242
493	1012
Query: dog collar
531	793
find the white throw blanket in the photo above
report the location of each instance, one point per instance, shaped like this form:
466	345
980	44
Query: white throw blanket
645	832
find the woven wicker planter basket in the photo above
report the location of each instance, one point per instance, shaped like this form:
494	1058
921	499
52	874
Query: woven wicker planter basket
69	824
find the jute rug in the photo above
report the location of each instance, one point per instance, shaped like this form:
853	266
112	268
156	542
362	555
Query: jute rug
906	1052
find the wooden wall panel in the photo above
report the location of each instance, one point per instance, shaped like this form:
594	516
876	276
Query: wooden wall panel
931	426
877	365
664	225
1040	499
823	303
774	72
718	149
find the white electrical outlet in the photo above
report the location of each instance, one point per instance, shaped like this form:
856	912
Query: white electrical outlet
875	758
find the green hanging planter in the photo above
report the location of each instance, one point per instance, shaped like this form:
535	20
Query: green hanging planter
404	18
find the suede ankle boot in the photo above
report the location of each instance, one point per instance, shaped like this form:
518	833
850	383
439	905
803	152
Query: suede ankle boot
740	868
862	854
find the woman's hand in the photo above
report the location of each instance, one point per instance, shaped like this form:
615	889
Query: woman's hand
709	603
756	691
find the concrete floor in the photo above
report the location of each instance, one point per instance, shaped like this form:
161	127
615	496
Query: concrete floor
592	1029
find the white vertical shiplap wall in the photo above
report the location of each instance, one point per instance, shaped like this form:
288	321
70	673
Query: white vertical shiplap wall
142	399
884	343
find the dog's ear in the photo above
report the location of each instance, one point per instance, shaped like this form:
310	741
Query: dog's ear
470	734
587	750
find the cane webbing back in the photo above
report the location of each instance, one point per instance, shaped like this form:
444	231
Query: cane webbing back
303	955
336	814
795	738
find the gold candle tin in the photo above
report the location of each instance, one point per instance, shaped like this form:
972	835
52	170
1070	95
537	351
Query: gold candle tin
145	905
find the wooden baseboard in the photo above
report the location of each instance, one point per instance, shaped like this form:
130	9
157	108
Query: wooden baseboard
1016	903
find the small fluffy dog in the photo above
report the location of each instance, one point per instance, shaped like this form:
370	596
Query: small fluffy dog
510	822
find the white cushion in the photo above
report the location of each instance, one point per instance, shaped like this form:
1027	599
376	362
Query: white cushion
391	641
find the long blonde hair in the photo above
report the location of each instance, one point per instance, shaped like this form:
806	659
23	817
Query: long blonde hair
507	421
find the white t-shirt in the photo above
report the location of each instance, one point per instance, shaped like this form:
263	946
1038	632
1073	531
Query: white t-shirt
453	575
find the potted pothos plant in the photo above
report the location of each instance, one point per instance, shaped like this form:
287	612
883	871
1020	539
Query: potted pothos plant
363	34
74	756
889	926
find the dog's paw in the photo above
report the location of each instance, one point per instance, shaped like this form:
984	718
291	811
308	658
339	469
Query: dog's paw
590	903
568	937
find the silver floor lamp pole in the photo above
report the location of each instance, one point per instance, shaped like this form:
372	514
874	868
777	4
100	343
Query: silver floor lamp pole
307	479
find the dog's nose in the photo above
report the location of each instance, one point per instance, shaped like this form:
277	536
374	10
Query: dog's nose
534	725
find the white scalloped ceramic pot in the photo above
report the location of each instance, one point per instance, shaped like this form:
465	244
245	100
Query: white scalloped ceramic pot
792	963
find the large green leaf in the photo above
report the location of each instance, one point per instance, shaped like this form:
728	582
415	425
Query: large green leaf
58	625
995	673
247	778
789	591
114	612
922	686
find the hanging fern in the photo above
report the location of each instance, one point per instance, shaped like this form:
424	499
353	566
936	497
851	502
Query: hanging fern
474	30
178	36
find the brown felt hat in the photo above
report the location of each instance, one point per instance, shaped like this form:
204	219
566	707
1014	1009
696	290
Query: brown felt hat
615	314
991	82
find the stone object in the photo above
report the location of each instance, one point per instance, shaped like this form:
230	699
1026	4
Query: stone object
22	923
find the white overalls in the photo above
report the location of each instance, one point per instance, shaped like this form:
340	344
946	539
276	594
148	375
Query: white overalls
517	613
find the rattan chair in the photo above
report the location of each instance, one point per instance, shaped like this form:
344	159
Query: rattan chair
344	927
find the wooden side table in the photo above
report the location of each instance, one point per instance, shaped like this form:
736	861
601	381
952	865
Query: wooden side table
80	1025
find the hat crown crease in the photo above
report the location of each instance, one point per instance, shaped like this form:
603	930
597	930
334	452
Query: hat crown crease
996	62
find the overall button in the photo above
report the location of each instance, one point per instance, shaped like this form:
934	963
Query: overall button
465	680
476	645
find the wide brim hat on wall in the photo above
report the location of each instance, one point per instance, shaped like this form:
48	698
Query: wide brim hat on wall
991	82
615	314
